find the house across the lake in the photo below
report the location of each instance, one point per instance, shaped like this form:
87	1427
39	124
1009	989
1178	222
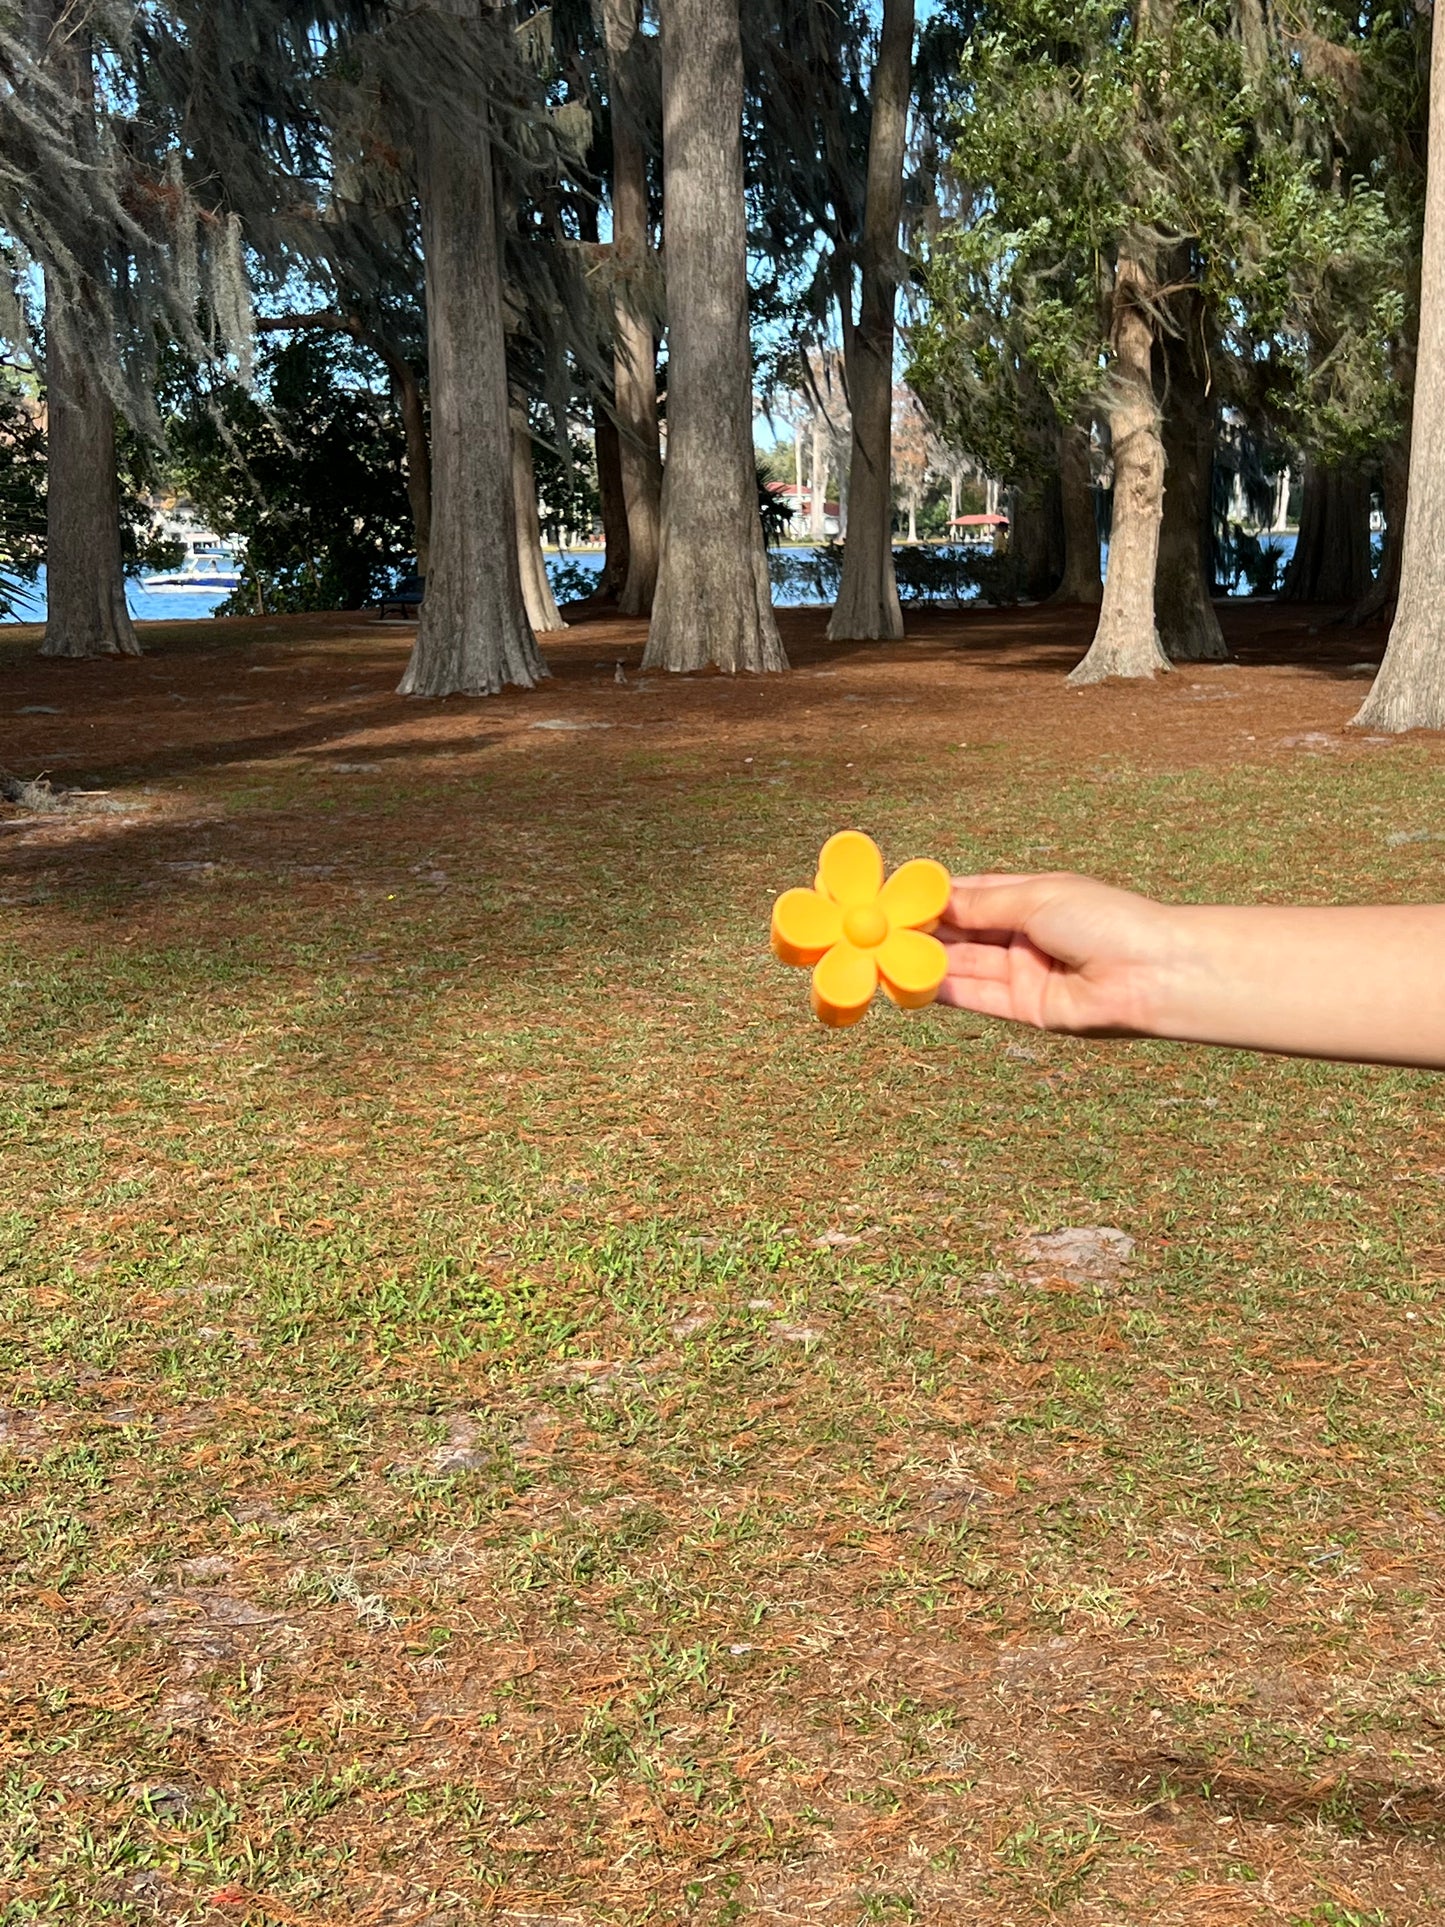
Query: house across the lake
800	505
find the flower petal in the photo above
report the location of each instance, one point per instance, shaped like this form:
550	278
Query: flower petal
843	985
805	925
850	869
917	893
912	967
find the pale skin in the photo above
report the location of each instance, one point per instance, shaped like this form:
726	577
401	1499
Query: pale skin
1067	953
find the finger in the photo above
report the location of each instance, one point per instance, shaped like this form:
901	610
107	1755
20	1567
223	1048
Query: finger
996	903
950	934
974	993
990	962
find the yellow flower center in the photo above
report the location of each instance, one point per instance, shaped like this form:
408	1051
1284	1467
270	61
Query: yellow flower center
865	925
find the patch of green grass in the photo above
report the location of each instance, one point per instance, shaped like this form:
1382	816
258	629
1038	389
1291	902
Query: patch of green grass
441	1470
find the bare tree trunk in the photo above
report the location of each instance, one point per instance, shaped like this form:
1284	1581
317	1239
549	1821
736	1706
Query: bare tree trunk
714	601
1082	580
1126	642
1409	692
635	345
1331	560
1281	504
1384	594
86	613
472	636
406	391
615	532
952	496
1034	539
867	605
537	597
1188	627
818	482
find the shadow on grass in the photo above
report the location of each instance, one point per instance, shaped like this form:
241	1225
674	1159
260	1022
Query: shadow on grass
1337	1800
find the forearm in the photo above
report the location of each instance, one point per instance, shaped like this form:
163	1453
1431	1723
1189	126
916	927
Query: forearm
1362	984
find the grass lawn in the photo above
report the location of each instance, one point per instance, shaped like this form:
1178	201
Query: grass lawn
502	1416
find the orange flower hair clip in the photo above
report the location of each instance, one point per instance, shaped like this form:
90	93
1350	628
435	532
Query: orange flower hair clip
855	931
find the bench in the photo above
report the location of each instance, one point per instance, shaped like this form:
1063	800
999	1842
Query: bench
405	598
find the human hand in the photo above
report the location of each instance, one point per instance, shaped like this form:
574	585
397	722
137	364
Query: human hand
1060	952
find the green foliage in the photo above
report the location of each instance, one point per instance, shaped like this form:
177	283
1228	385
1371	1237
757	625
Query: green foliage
22	501
571	581
1247	563
142	472
928	573
775	514
567	494
22	495
307	471
1222	157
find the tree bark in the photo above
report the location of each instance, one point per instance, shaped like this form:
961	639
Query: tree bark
1082	579
634	357
867	605
86	613
1331	560
1035	538
472	635
713	603
537	597
1188	627
406	391
1382	598
1126	642
615	534
1409	692
818	482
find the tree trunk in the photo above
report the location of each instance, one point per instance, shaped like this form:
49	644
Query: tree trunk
1281	504
714	601
1034	538
1126	642
818	483
86	613
913	520
1331	560
1382	598
1384	594
615	534
1409	692
867	605
1188	627
952	500
634	357
406	392
537	597
472	636
1082	580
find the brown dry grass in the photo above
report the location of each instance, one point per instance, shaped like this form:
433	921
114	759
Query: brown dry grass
502	1417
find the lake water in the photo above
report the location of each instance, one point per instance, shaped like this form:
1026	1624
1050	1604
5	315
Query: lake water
189	605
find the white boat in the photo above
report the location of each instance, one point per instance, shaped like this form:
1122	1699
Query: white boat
207	573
